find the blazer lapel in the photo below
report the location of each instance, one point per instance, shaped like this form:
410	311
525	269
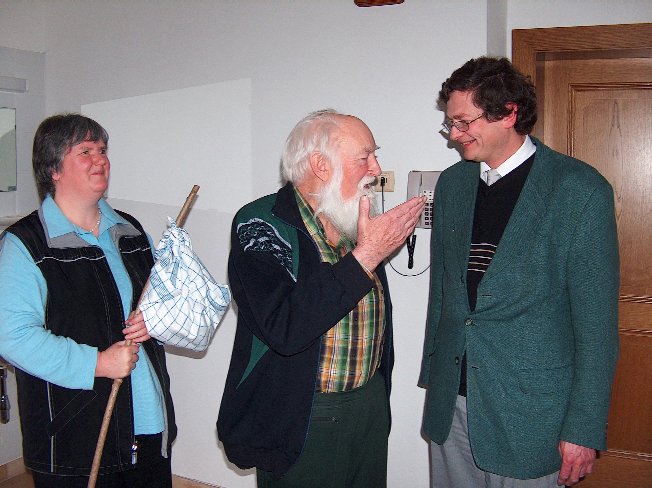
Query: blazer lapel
464	204
526	217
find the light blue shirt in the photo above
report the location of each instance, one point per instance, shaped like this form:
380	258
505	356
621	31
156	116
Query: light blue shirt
26	344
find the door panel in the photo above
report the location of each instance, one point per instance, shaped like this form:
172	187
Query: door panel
594	88
635	362
612	128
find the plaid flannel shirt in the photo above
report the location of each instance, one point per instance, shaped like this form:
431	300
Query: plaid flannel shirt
351	350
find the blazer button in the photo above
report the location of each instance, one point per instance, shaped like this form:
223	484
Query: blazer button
468	322
457	360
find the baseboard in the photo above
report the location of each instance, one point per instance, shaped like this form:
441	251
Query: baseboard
180	482
11	469
16	467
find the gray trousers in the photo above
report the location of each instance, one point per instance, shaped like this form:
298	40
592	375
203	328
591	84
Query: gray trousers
452	464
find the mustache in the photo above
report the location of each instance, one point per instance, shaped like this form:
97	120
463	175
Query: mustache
367	180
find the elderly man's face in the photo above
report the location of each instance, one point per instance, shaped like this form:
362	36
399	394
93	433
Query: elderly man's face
354	169
357	153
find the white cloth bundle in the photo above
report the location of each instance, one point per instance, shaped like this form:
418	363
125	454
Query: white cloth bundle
182	304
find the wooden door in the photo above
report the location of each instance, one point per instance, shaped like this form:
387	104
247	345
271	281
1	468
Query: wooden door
594	89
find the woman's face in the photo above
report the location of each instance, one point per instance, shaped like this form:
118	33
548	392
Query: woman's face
84	171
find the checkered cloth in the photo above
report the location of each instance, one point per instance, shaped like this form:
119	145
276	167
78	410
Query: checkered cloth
182	304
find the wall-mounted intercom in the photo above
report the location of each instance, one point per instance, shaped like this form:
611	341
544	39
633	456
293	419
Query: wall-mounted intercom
423	183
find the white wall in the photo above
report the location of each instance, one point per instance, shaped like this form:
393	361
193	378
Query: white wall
384	64
29	107
528	14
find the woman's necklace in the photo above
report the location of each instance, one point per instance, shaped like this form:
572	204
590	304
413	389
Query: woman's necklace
97	224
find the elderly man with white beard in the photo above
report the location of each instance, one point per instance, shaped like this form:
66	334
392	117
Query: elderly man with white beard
306	400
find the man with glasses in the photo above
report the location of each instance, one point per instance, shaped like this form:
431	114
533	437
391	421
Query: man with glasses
522	336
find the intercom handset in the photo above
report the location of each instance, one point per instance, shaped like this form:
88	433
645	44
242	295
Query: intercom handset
422	183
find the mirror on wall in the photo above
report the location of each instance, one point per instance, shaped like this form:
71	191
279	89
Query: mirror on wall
7	149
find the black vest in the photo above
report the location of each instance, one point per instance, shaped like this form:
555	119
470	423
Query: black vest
60	426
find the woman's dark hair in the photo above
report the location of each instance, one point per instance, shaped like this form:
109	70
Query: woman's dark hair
495	83
53	139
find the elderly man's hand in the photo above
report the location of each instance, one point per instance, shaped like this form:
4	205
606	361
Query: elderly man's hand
380	236
576	462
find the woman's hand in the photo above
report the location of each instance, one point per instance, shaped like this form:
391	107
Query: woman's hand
136	330
117	361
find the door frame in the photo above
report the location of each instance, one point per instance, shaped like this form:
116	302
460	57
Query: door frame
531	46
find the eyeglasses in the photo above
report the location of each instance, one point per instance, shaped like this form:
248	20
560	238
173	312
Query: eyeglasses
461	125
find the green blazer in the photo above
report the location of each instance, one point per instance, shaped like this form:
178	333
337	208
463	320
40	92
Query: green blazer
542	342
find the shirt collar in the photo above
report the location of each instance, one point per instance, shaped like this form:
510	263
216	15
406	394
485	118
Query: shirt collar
58	225
526	150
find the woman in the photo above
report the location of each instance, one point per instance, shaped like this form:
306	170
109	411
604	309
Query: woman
71	273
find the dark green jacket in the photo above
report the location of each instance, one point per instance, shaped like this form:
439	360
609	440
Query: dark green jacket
287	298
542	342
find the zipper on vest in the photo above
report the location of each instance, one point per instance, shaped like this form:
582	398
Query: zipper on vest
134	452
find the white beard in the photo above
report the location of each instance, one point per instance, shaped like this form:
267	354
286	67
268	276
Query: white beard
343	214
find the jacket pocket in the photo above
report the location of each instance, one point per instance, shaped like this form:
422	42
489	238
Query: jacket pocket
76	404
545	381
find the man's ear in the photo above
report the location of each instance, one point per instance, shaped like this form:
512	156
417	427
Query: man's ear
320	166
510	119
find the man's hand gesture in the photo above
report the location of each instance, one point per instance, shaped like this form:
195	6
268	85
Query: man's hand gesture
380	236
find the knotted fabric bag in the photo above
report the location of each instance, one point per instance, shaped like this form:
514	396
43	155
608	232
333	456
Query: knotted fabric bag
182	303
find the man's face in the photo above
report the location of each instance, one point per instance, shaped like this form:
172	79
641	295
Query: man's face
354	170
357	153
485	140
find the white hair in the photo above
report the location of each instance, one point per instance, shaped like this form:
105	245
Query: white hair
312	133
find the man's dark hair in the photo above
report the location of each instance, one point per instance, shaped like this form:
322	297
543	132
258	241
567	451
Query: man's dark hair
495	83
53	139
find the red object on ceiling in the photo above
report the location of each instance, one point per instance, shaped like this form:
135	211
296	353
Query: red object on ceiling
376	3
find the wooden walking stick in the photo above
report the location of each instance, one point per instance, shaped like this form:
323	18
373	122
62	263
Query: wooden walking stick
95	468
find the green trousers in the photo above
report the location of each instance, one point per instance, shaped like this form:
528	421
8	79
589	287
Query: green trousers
346	445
